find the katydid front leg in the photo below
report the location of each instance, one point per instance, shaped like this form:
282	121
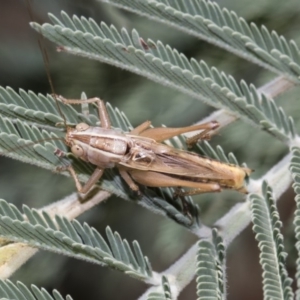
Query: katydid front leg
97	174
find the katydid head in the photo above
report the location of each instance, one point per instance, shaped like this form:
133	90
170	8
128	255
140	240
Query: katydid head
76	133
77	151
73	140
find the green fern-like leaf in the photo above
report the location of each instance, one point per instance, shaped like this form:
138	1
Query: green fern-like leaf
295	170
206	20
18	291
218	153
19	141
156	296
35	109
162	296
220	249
73	239
210	269
276	283
166	288
168	67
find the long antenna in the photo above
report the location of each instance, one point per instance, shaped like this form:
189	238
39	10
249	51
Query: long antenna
45	56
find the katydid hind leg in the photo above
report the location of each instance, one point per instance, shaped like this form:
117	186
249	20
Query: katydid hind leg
206	188
184	203
155	179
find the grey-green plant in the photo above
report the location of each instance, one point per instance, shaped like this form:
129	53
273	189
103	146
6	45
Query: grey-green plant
26	118
266	225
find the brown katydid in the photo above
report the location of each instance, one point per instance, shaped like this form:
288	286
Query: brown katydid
142	158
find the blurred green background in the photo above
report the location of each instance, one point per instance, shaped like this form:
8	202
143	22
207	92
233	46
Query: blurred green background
163	241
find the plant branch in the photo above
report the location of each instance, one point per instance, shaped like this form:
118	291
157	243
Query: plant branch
272	89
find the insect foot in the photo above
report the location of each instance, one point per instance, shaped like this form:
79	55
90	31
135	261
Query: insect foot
206	134
59	153
60	169
179	193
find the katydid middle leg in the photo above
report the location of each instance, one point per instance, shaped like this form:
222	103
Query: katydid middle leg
160	134
102	111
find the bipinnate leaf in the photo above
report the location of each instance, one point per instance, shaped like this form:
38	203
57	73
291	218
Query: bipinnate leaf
210	269
73	239
167	66
18	291
223	28
166	295
295	170
266	225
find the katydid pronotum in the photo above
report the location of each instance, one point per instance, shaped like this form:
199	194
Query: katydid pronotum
142	158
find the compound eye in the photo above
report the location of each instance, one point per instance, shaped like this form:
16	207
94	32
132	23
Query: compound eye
77	150
82	126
